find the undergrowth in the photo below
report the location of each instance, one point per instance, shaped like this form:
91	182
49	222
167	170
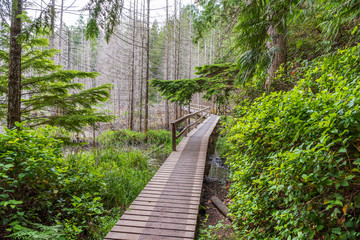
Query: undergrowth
45	195
295	155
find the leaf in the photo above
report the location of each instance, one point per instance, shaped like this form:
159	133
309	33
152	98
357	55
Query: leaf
336	230
338	196
344	183
357	201
357	161
345	207
342	150
354	30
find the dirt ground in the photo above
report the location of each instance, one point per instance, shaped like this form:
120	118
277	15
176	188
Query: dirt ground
209	215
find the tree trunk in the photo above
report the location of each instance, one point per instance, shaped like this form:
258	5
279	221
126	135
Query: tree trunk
278	45
61	28
147	70
167	117
132	86
14	82
174	56
68	49
142	68
52	27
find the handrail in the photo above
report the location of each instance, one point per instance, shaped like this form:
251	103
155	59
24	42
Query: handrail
187	125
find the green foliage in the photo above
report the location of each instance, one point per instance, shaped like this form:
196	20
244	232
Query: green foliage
211	232
103	13
49	94
215	80
45	195
311	28
295	155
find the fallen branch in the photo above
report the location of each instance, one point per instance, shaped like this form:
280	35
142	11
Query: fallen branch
222	208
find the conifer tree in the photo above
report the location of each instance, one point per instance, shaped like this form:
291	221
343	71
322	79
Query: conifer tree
48	94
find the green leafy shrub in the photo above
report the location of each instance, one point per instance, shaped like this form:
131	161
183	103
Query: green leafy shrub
44	195
295	156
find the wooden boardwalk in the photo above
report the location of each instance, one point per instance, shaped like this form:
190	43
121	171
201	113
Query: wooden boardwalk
167	207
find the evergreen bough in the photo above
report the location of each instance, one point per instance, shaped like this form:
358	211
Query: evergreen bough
49	94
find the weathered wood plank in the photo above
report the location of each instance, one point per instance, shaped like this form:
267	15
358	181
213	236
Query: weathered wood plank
159	225
154	231
161	214
156	219
166	204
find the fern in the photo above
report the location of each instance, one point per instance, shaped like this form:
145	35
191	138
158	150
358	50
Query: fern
39	232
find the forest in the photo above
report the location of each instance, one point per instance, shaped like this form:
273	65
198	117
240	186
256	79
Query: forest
86	107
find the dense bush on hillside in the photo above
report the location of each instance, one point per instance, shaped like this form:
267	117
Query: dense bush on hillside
295	155
45	195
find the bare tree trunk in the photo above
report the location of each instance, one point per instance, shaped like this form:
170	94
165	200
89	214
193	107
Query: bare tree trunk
174	55
147	69
68	49
61	28
52	24
131	120
178	52
167	117
14	82
142	68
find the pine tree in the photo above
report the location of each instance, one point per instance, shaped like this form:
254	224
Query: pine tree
49	94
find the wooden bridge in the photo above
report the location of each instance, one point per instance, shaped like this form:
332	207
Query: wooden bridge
167	207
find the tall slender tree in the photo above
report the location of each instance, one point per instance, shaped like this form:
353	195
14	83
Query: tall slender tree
146	124
132	84
14	82
167	114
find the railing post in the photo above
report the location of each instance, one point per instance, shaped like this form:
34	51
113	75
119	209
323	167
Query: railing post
185	125
189	119
196	118
173	129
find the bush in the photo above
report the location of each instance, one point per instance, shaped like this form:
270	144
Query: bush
45	195
295	156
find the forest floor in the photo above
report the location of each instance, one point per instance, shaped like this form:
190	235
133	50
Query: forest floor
212	224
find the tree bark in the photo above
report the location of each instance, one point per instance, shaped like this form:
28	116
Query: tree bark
167	117
277	44
279	56
52	23
14	81
61	28
68	49
142	67
132	86
147	69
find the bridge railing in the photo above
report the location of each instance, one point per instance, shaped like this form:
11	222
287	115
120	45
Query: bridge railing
199	115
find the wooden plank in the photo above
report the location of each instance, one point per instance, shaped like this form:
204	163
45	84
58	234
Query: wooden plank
165	192
184	182
159	225
164	196
166	204
179	176
164	186
154	231
162	209
132	236
171	201
162	214
158	219
192	190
